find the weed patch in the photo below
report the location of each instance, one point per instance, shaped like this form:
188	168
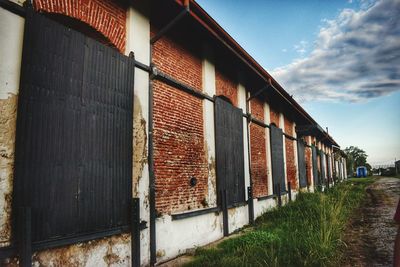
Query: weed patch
306	232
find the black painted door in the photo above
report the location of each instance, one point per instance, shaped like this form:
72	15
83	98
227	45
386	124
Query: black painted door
277	160
301	163
73	162
229	151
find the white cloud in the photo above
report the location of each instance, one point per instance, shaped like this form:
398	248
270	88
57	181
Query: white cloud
301	47
356	57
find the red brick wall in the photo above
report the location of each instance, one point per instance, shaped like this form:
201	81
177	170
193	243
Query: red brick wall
291	170
225	86
258	151
178	150
274	117
106	16
174	59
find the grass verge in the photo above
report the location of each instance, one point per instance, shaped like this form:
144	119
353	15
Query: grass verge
306	232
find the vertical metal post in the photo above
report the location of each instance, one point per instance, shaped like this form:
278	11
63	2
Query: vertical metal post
289	185
279	195
25	237
224	213
135	233
250	204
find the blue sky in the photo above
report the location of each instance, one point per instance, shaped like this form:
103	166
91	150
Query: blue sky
340	60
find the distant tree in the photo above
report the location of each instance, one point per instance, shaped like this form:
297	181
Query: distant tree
355	157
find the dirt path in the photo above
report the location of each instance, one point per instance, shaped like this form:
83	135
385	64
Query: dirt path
370	236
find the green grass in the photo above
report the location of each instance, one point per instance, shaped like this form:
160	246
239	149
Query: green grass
306	232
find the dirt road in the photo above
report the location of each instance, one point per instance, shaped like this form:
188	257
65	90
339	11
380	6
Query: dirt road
371	233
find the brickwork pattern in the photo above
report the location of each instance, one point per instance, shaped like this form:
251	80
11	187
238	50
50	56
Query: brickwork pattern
106	16
176	60
308	154
274	117
179	152
258	151
291	169
226	87
179	147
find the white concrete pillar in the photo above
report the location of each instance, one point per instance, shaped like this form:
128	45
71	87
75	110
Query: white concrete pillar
138	41
282	126
267	120
11	42
209	126
296	157
309	142
246	148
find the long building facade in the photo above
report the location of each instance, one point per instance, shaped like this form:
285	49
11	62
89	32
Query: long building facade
134	131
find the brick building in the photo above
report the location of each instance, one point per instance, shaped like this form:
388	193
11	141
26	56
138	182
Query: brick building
143	130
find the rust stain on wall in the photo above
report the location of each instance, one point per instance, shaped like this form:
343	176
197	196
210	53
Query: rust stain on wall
212	185
139	145
112	251
8	116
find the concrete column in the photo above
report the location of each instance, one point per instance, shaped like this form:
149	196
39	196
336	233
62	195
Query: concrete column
138	41
282	126
309	142
267	120
11	41
246	148
209	126
296	157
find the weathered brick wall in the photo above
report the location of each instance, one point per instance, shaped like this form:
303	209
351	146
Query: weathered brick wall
274	117
258	151
308	155
226	87
179	148
290	157
178	61
106	16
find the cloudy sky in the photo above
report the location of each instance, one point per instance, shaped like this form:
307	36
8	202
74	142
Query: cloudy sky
340	60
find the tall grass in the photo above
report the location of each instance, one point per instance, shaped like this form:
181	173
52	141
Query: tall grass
306	232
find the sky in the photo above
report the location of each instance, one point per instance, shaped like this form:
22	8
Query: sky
339	58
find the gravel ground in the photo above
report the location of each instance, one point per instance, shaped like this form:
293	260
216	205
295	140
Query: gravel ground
371	233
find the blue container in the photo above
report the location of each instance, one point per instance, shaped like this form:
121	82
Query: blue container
361	171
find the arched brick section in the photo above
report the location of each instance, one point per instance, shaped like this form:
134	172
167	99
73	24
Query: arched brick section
106	16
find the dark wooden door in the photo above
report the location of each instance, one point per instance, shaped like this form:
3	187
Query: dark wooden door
278	171
229	151
73	162
301	163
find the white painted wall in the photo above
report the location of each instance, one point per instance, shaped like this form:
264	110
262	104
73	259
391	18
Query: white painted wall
296	157
176	237
209	126
11	41
242	98
267	120
262	206
309	142
138	41
282	126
